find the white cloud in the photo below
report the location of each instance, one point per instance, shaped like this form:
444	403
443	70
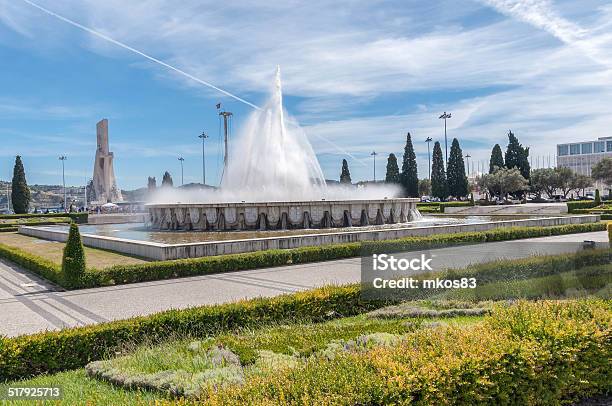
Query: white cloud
548	79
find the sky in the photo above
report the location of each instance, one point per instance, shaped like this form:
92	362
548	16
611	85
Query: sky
356	75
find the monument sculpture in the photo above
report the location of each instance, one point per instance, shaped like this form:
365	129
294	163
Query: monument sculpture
104	182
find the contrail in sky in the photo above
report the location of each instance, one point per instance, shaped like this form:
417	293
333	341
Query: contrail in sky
162	63
149	57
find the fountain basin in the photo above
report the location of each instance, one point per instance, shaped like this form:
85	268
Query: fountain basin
280	215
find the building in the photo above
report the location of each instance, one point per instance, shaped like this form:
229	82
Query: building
581	156
104	183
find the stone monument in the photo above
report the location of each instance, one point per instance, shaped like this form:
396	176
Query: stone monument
104	183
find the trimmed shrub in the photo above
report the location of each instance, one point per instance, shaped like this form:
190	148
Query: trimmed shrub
610	233
79	218
48	352
73	261
40	266
543	353
580	204
597	197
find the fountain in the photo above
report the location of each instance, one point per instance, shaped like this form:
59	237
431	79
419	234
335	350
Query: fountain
274	182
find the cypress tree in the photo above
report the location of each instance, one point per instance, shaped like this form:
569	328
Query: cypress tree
20	193
167	180
497	159
393	174
73	261
345	175
438	176
151	184
409	178
456	179
517	156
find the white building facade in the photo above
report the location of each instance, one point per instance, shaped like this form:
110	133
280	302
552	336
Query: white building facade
582	156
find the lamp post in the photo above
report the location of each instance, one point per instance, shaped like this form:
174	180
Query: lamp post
203	136
444	116
182	177
63	159
428	141
373	154
467	158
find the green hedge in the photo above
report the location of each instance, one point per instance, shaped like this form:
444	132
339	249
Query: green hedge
159	270
121	274
580	204
79	218
27	222
41	266
48	352
438	207
595	210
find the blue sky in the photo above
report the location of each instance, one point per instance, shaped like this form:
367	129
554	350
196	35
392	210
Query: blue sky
358	74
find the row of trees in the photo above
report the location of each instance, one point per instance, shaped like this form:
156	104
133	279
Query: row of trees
445	182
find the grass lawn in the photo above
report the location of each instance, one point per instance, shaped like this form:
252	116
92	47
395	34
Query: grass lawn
53	250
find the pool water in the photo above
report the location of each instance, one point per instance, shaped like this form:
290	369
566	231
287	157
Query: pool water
138	231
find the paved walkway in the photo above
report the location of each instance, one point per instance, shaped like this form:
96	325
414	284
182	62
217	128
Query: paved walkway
28	304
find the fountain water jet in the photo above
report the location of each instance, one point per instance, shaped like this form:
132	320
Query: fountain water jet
274	181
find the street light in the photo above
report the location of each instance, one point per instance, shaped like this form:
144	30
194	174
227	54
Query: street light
428	141
374	153
182	178
467	157
203	136
444	116
63	159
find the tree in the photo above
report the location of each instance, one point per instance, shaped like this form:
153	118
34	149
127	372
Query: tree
438	175
345	175
544	180
73	261
393	174
504	180
151	184
455	172
167	180
565	181
20	192
602	171
425	187
580	182
409	178
497	160
517	156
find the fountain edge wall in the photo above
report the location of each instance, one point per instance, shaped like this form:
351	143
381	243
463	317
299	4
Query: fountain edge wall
280	215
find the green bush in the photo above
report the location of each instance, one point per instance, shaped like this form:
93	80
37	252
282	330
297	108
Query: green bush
79	218
597	197
543	353
580	204
73	260
48	352
610	233
40	266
